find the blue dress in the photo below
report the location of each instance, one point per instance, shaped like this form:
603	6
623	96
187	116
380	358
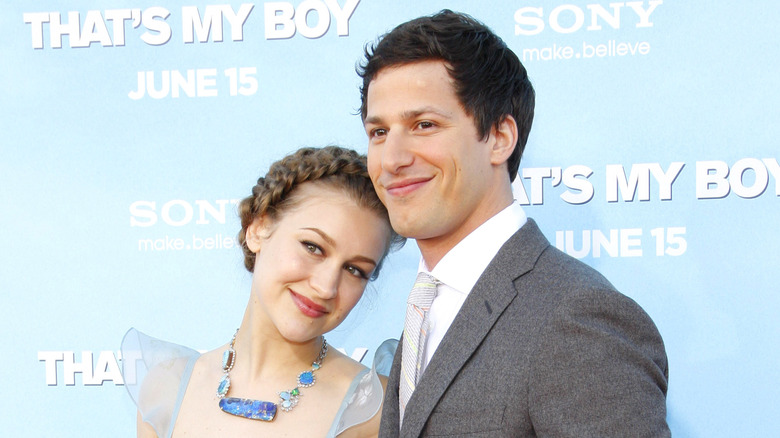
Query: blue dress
172	364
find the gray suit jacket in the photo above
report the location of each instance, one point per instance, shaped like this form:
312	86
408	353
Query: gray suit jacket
543	346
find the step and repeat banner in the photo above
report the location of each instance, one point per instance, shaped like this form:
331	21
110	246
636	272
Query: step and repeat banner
130	130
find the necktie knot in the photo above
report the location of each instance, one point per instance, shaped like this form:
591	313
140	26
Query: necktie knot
423	292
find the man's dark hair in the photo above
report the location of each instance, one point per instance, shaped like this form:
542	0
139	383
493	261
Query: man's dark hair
489	79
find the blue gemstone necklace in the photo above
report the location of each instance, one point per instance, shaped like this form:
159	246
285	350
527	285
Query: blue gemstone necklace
259	409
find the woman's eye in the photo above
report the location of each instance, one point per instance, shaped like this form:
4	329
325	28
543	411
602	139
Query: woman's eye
357	272
311	248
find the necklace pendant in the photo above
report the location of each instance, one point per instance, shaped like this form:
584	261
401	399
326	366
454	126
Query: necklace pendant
248	408
258	409
306	379
288	399
228	359
224	386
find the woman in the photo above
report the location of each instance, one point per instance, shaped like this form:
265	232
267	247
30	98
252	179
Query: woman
313	234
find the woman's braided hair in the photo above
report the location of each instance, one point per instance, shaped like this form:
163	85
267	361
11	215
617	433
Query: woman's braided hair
335	166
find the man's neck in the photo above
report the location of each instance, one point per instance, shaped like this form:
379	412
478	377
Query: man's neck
434	249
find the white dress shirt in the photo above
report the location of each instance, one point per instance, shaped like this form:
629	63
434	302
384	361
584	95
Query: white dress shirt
459	270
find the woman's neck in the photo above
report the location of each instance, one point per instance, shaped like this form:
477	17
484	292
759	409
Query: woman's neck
263	353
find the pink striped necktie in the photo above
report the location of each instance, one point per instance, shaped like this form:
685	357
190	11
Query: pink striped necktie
415	333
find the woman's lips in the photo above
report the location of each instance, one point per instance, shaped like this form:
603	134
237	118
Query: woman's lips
307	306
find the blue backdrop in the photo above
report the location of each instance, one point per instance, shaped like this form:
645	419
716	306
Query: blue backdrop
131	128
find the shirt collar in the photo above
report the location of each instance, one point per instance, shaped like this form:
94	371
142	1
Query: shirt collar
462	266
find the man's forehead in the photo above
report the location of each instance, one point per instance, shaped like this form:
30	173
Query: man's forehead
422	77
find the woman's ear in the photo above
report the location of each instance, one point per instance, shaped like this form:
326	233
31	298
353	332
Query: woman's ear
504	140
256	233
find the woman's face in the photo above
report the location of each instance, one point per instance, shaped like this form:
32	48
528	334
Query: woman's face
314	262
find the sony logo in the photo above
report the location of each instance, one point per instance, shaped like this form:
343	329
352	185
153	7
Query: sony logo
569	18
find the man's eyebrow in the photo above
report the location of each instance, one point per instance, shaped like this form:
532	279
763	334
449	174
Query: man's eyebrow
411	114
374	120
414	113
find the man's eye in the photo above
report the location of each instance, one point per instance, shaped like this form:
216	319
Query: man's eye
378	132
425	125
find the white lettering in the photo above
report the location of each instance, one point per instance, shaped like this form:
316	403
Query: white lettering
536	21
142	214
162	29
36	20
57	29
279	26
200	82
107	369
666	179
625	242
601	241
631	242
711	180
165	85
302	18
598	11
342	15
185	218
211	24
639	180
581	185
192	24
118	18
569	247
737	180
178	82
237	20
282	20
207	82
569	18
50	359
518	191
638	183
70	367
207	207
644	15
579	19
748	178
94	31
178	212
537	176
774	169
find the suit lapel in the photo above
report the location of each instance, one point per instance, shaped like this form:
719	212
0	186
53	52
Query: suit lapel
388	426
486	302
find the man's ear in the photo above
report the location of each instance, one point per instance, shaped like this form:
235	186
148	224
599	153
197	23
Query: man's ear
504	140
256	233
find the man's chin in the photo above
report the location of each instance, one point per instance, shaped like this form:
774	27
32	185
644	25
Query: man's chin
405	227
413	229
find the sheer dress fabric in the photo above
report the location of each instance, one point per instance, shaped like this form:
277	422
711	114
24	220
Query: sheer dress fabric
170	365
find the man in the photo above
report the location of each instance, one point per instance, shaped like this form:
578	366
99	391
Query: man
520	339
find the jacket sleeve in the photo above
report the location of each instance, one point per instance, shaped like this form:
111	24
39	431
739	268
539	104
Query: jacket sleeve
599	369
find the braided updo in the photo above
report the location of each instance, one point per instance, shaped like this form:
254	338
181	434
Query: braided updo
337	167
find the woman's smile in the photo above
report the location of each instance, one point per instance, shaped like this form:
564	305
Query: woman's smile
307	306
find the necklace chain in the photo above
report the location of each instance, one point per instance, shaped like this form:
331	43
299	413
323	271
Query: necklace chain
258	409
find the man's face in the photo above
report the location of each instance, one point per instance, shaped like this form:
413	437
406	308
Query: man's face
425	157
